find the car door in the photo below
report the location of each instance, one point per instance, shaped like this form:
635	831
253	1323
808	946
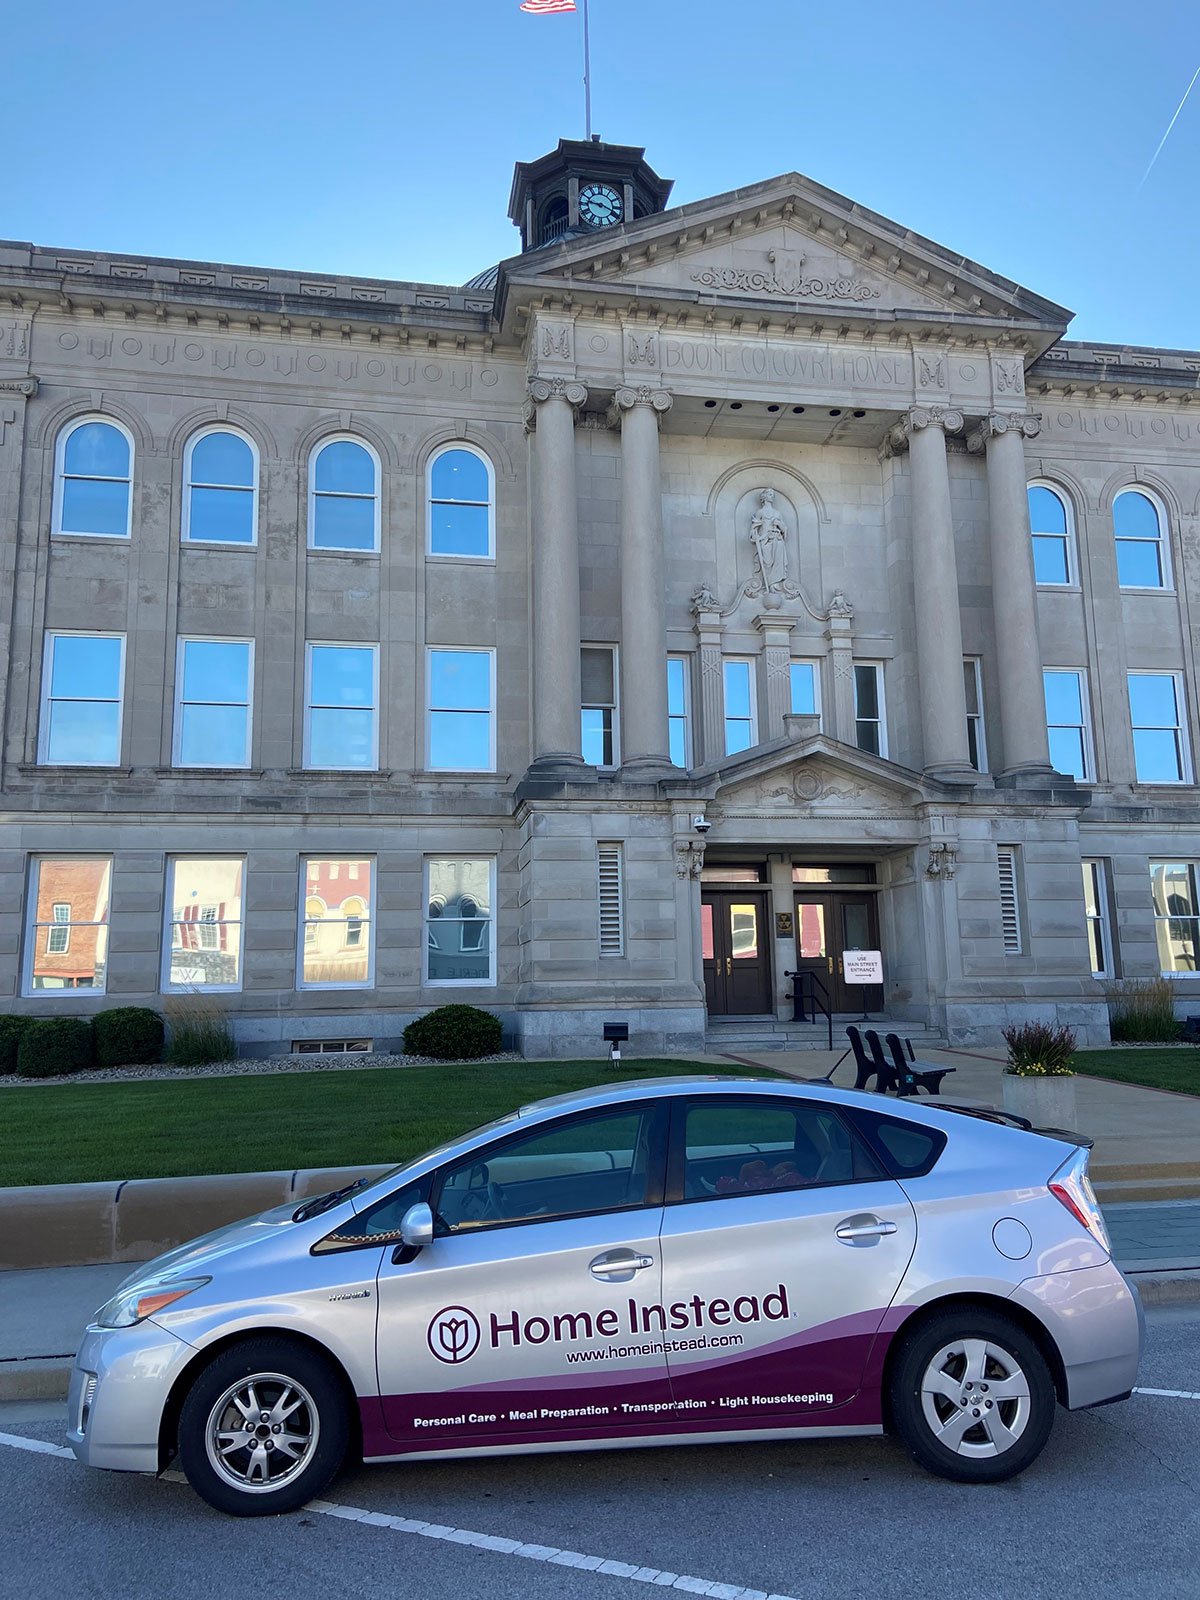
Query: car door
783	1246
526	1320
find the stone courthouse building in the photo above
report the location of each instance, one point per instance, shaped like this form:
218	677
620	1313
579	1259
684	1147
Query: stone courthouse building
698	596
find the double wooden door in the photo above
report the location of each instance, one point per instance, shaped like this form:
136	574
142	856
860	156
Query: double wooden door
736	946
827	925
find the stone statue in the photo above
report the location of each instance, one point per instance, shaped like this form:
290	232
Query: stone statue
839	606
769	537
704	599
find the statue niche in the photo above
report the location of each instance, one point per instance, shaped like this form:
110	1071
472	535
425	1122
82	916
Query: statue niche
768	552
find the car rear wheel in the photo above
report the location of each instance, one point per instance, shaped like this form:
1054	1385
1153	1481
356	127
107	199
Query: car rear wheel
972	1397
263	1428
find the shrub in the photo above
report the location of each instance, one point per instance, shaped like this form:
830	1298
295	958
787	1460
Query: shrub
198	1030
454	1033
1036	1050
11	1029
1142	1010
53	1047
127	1036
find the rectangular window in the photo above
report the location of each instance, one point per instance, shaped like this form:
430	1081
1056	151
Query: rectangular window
599	736
1010	906
1176	916
806	688
1096	914
205	899
460	941
679	710
67	924
82	683
1156	710
1067	726
341	724
212	702
741	710
610	868
336	944
870	729
976	742
462	710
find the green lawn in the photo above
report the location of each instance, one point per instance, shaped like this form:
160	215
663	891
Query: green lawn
82	1132
1157	1069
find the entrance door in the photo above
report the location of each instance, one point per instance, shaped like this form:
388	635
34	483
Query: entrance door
827	925
737	952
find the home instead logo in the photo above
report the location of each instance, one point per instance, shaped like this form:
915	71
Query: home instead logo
453	1335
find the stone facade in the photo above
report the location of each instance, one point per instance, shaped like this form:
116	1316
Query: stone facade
770	428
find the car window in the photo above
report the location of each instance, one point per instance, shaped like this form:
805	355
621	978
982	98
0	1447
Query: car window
905	1149
380	1224
738	1147
577	1168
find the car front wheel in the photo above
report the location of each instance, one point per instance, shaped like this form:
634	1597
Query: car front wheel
264	1428
972	1397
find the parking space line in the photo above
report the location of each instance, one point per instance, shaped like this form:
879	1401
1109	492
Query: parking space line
494	1543
1172	1394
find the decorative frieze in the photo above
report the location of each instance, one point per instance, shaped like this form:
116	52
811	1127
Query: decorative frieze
784	277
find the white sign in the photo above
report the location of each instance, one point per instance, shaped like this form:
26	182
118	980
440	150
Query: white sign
862	966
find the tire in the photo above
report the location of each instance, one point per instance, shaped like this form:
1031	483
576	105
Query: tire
955	1360
264	1428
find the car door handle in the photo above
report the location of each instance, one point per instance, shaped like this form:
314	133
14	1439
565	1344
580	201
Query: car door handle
863	1229
618	1266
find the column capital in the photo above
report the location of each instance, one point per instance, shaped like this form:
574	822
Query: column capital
25	386
920	418
1027	424
628	396
543	389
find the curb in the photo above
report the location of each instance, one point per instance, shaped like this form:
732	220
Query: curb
48	1377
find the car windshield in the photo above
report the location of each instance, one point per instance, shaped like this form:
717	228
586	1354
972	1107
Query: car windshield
368	1192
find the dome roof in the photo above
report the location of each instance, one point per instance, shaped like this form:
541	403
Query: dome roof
484	280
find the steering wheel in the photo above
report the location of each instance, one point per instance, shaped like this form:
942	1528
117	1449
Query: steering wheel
483	1204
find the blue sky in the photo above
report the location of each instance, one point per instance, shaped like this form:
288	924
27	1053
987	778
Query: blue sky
379	139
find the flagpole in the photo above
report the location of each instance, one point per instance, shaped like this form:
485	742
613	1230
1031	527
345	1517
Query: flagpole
587	70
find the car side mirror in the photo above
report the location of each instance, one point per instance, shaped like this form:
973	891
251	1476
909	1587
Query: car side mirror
416	1226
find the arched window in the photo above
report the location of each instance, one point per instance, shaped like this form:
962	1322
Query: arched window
1050	525
343	496
220	488
1138	524
92	480
462	512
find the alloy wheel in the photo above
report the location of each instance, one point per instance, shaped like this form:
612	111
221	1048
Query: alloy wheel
975	1398
262	1432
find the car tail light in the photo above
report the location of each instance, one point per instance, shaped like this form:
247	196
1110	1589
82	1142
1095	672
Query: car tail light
1072	1188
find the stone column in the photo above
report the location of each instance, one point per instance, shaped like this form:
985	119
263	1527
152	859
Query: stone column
15	391
777	661
837	711
708	720
935	581
645	745
1014	594
550	413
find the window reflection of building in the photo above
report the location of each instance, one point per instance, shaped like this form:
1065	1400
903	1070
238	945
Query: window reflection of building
69	940
336	948
205	897
1176	914
458	927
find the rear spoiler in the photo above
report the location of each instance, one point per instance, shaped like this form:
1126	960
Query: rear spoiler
1010	1120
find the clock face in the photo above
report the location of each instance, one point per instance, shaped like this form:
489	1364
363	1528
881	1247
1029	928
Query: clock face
599	205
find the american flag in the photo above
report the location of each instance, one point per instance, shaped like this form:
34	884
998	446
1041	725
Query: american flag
542	8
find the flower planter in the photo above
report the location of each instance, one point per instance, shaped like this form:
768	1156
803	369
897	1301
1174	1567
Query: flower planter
1047	1102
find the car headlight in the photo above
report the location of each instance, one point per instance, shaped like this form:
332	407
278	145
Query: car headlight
144	1300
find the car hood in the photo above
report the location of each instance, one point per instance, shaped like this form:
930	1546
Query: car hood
198	1254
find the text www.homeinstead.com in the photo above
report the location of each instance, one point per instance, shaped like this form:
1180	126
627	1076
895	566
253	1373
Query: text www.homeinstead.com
660	1347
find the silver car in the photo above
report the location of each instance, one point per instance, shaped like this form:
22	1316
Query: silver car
687	1260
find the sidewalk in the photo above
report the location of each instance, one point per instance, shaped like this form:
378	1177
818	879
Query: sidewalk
43	1313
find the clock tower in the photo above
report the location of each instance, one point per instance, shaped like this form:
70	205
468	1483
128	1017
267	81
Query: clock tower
582	186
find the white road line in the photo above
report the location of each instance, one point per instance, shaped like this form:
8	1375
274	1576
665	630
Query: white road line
1172	1394
547	1553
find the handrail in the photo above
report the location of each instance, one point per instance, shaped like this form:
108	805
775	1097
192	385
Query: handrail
811	982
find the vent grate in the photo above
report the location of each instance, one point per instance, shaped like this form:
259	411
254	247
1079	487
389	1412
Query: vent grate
612	899
1010	911
332	1047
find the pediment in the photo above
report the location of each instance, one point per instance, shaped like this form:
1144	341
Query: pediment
818	778
789	244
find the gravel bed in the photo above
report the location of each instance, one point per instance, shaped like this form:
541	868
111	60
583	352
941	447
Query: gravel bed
245	1069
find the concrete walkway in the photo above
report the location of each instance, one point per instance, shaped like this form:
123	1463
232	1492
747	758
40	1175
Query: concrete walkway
1147	1141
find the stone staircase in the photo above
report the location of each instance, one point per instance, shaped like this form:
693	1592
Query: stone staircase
742	1035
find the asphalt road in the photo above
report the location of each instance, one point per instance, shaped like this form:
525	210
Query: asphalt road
1110	1510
